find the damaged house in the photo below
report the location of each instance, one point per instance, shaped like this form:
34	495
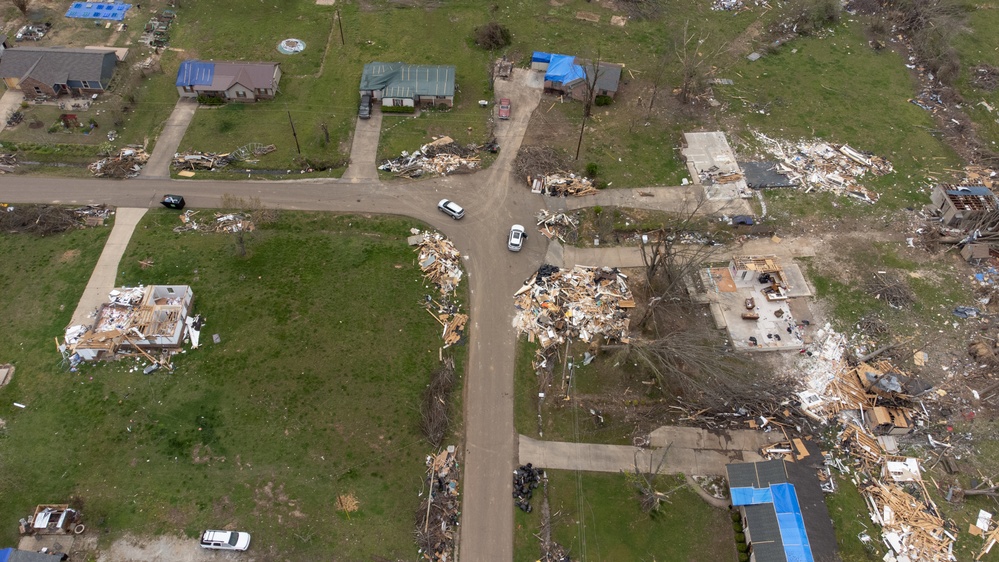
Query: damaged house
570	76
141	319
49	72
961	206
231	81
398	84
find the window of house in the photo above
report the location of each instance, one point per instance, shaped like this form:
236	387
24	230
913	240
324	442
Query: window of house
38	90
170	290
189	89
240	94
397	102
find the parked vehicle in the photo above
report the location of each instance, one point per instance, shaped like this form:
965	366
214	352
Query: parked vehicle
451	209
173	201
225	540
504	108
517	237
365	110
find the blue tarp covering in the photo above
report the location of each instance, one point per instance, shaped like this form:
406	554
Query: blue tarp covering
789	520
195	73
539	56
561	69
97	11
5	554
751	496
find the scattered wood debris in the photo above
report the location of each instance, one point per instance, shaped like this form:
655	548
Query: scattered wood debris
437	516
223	223
439	261
127	164
580	303
562	184
50	219
817	165
555	225
7	163
443	156
537	161
201	160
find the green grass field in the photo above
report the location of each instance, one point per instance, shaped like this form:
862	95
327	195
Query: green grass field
302	401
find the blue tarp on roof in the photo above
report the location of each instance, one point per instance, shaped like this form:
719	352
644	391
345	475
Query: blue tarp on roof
751	496
562	69
540	56
979	190
195	73
789	520
97	11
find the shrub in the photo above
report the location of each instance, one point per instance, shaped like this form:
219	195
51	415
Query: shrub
601	101
743	557
592	169
24	105
810	16
210	100
398	109
742	547
492	36
55	128
740	538
736	518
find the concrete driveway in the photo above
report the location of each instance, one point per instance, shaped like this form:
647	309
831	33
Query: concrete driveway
364	148
169	139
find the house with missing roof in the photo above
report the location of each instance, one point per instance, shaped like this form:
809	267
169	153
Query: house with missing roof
570	75
963	205
51	72
783	511
409	85
231	81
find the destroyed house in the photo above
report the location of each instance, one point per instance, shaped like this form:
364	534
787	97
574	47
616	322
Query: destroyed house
766	270
48	72
399	84
232	81
569	75
783	511
962	205
141	319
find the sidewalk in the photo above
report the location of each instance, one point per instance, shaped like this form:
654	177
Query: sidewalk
675	199
169	139
102	280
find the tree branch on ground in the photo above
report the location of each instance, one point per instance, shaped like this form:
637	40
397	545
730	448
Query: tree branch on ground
649	497
21	5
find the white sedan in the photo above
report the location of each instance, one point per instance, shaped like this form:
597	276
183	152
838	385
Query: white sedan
517	237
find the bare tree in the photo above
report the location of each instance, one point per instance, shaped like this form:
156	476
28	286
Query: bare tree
693	60
649	497
21	5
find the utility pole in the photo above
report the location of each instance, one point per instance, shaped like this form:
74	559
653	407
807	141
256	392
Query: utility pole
580	142
294	134
339	22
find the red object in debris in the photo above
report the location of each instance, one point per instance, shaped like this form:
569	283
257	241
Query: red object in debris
969	415
504	109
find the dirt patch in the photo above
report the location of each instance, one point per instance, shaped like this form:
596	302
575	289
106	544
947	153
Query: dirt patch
69	255
158	549
743	44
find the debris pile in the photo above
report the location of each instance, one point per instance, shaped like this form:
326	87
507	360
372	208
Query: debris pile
7	163
579	303
201	160
525	479
561	184
126	164
223	222
912	527
50	219
980	175
437	516
439	262
817	165
727	5
538	161
555	225
443	156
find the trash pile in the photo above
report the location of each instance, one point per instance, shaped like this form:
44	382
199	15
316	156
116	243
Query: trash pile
127	164
443	156
201	160
727	5
7	163
555	225
525	479
980	175
155	33
93	215
817	165
222	222
582	303
561	184
437	516
439	262
15	118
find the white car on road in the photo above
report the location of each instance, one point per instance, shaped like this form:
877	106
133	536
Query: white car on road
517	237
451	209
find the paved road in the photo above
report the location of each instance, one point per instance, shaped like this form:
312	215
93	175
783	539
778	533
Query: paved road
494	200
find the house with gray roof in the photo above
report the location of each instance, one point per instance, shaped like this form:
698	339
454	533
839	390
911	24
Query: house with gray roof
783	511
232	81
408	85
42	72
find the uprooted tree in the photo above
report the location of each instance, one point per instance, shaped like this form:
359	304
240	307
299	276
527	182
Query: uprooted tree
21	5
492	36
645	483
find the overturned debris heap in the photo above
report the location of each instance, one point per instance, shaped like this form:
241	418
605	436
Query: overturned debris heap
820	166
126	164
437	516
580	303
443	156
222	223
561	184
555	225
439	262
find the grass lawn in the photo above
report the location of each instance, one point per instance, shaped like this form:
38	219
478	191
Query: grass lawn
605	523
301	401
979	45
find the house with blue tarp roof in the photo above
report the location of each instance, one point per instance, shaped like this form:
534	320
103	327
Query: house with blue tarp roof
783	512
569	75
233	81
961	206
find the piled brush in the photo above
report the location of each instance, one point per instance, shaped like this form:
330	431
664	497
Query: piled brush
431	150
539	161
891	288
434	411
873	326
38	219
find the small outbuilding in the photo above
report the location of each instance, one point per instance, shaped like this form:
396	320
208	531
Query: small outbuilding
963	205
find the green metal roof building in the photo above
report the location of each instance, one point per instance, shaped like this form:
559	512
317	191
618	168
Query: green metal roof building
396	83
